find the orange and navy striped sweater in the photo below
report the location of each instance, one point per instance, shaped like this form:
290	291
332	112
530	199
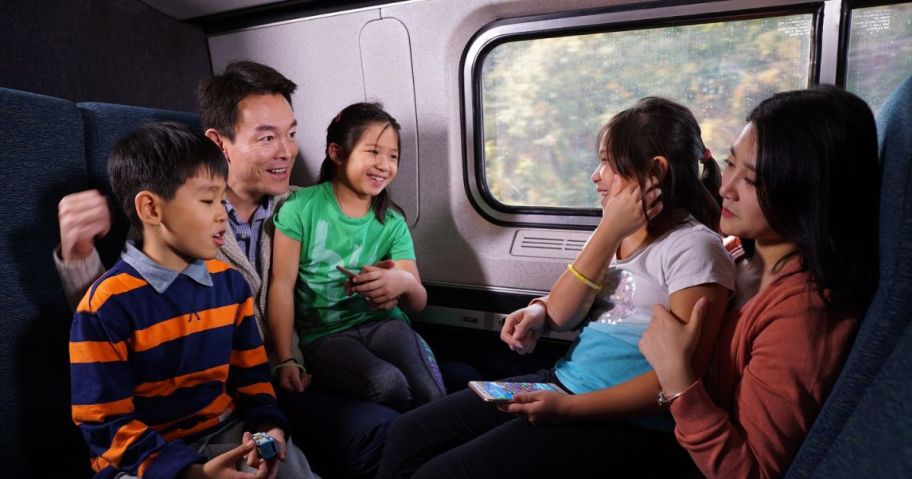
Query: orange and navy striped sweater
148	369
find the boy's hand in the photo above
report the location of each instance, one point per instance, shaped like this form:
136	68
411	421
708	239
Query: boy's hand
381	284
83	217
223	465
523	327
290	378
272	465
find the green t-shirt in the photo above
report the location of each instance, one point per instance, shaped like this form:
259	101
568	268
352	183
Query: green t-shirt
329	239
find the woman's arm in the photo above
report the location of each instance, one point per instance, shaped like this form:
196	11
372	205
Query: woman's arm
637	396
286	259
794	358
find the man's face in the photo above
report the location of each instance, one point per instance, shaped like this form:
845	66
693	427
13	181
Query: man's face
264	148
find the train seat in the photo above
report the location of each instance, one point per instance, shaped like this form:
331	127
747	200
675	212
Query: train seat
105	123
42	158
863	429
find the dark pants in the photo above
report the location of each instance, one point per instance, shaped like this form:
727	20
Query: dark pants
385	362
340	435
462	436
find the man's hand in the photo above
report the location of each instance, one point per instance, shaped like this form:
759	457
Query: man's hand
83	217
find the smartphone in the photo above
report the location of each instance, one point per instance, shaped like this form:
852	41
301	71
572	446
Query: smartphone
499	391
347	272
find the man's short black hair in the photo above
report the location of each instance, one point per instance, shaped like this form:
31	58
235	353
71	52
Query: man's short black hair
220	95
160	157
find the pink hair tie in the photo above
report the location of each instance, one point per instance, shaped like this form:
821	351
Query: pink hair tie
707	155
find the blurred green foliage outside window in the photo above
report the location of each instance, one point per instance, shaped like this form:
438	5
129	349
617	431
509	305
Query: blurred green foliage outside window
543	100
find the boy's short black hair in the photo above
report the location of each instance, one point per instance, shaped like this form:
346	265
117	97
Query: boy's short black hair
160	157
219	95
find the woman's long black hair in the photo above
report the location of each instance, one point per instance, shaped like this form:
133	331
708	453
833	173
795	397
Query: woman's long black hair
818	184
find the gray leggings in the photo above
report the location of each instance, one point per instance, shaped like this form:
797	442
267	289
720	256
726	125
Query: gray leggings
380	361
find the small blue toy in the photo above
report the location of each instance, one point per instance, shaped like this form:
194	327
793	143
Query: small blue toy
266	445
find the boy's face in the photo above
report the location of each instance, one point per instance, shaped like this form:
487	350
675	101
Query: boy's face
264	147
194	221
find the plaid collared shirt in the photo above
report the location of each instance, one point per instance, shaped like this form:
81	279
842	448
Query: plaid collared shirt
248	234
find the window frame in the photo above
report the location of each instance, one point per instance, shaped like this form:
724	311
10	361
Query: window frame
845	28
825	43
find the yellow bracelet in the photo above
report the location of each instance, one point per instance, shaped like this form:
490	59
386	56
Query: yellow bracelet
588	282
289	362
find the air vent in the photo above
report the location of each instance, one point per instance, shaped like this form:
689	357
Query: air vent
549	244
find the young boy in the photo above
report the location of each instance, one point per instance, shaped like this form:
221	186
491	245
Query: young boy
167	365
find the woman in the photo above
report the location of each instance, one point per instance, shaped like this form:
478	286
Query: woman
802	188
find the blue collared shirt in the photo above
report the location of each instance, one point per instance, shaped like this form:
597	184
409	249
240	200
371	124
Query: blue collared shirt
248	234
159	277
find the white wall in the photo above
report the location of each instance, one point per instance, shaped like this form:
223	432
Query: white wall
408	56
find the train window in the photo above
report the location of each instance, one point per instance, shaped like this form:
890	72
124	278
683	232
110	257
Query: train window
879	53
540	101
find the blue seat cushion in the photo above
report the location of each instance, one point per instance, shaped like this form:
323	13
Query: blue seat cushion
105	124
41	159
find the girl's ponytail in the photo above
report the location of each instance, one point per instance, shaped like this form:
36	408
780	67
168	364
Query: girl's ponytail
711	176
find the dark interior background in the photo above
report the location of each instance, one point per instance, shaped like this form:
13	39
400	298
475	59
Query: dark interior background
116	51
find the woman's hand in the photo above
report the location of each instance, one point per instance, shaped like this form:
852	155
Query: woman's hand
523	327
669	344
539	407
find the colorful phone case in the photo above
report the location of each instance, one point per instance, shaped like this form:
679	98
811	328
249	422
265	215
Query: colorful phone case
499	391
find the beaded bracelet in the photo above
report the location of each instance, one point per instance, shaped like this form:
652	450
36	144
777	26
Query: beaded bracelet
665	400
583	279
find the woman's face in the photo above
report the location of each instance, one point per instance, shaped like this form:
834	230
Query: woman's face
741	213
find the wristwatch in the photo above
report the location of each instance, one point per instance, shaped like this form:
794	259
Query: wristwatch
665	400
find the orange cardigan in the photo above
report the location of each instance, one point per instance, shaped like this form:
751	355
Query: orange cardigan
776	360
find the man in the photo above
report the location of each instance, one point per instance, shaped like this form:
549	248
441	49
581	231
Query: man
246	111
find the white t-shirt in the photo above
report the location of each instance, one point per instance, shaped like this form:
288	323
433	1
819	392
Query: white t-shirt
606	352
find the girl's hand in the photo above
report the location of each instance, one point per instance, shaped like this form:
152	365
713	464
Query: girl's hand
627	209
382	284
523	327
539	407
290	378
669	344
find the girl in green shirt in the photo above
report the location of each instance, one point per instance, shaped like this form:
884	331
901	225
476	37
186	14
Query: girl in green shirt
356	338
